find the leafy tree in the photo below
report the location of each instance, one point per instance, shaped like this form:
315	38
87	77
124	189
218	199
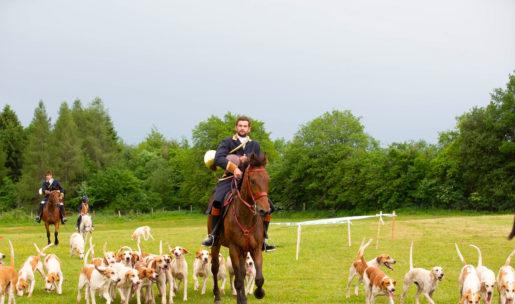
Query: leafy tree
100	143
306	174
66	153
13	141
8	195
36	157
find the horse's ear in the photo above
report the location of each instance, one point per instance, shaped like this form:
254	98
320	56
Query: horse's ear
257	160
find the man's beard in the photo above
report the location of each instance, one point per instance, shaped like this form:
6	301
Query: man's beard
242	134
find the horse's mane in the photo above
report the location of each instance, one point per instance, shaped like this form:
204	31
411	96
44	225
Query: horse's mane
54	196
257	160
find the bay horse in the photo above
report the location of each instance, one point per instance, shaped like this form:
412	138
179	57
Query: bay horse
243	229
51	215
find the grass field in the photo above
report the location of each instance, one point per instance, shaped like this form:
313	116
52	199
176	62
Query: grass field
321	272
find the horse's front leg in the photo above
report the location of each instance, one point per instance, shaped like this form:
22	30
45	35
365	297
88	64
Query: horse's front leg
215	265
257	255
56	233
238	263
47	227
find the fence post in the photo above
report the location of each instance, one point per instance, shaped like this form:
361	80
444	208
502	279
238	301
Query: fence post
348	232
393	225
299	231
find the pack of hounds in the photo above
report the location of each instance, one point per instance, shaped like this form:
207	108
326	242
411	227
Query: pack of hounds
477	283
126	272
133	273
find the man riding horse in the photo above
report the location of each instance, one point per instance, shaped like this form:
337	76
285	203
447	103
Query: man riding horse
232	156
50	184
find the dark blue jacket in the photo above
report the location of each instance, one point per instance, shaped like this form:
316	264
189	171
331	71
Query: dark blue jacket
230	143
51	187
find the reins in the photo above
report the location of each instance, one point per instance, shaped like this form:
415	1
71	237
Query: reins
251	206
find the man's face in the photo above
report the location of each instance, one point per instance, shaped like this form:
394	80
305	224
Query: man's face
48	177
243	128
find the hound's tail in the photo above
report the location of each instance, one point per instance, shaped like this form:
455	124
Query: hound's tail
508	259
42	252
459	254
161	247
361	251
12	253
90	249
479	257
411	256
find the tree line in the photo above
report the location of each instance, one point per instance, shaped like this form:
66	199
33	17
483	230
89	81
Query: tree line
329	164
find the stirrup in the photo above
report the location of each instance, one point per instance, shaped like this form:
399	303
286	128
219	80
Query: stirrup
38	219
209	241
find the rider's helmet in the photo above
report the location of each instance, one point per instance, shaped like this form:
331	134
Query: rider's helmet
85	198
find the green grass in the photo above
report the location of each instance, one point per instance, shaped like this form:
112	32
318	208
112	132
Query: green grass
321	272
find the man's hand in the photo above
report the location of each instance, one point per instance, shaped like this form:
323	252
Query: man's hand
47	191
237	173
243	159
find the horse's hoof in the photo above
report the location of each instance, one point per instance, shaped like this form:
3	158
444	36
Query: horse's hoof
218	302
259	293
56	243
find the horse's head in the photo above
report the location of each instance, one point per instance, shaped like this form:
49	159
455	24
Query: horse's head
255	183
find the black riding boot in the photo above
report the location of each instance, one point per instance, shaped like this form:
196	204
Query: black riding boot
215	219
267	247
40	213
61	211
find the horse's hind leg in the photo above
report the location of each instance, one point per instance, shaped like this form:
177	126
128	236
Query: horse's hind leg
257	255
215	265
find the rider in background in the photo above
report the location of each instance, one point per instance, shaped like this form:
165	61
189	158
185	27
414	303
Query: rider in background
240	146
83	209
50	184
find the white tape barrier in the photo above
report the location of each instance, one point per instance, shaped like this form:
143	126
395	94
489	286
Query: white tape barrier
340	220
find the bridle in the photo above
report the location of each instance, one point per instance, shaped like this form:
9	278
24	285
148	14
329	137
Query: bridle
254	196
252	206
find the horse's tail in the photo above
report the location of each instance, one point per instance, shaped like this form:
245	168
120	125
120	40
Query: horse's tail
11	248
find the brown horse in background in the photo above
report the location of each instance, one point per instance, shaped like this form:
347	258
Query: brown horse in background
243	229
51	215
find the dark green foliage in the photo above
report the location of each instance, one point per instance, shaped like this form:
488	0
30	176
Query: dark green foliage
13	142
330	164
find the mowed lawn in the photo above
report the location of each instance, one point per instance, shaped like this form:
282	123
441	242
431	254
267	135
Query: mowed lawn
320	274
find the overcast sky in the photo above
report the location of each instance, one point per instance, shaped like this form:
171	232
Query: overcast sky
406	67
